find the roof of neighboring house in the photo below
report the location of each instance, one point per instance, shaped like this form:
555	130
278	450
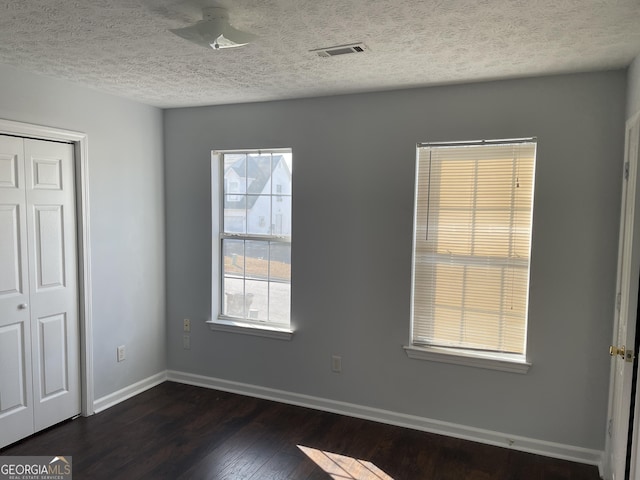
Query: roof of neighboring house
259	169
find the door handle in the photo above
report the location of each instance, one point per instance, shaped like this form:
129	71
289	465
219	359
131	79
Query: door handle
22	306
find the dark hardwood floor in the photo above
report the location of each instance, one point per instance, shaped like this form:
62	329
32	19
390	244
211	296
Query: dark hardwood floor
176	431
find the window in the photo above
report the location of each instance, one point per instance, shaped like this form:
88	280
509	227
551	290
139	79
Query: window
472	237
255	239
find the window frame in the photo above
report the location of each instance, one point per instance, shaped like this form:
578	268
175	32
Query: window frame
220	321
509	362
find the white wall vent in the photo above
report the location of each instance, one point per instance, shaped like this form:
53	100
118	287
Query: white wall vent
341	50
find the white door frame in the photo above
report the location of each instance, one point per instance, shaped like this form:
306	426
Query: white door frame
81	160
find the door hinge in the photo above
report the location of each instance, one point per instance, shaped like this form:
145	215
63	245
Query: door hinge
618	301
610	428
626	170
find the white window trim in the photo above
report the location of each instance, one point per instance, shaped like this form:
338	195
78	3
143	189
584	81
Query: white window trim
246	328
488	360
226	324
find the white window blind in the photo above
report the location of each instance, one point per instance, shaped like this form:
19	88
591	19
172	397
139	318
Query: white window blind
472	239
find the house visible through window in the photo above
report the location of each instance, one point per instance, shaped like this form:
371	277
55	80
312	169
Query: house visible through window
472	237
255	237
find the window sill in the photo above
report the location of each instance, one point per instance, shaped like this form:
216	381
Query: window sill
492	361
246	328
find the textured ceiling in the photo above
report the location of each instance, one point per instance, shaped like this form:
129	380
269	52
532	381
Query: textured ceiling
124	47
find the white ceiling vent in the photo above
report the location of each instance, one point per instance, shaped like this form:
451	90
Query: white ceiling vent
341	50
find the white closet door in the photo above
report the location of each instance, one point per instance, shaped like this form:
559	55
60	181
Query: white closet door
16	405
53	284
40	377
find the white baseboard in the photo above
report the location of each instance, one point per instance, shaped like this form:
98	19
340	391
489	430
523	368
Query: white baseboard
524	444
127	392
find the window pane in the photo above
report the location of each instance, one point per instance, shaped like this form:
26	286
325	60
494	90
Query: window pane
448	283
235	188
495	183
280	268
515	292
259	174
235	213
481	330
235	178
453	184
280	302
233	278
521	234
257	300
280	283
234	303
259	214
257	258
281	220
233	256
281	174
482	289
492	233
512	338
447	325
451	232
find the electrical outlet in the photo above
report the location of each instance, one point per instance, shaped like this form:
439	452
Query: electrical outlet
336	363
186	342
186	325
121	353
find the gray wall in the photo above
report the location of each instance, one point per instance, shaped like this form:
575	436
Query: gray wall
633	88
353	197
126	216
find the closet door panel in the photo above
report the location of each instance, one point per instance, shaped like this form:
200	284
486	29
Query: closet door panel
51	229
16	399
